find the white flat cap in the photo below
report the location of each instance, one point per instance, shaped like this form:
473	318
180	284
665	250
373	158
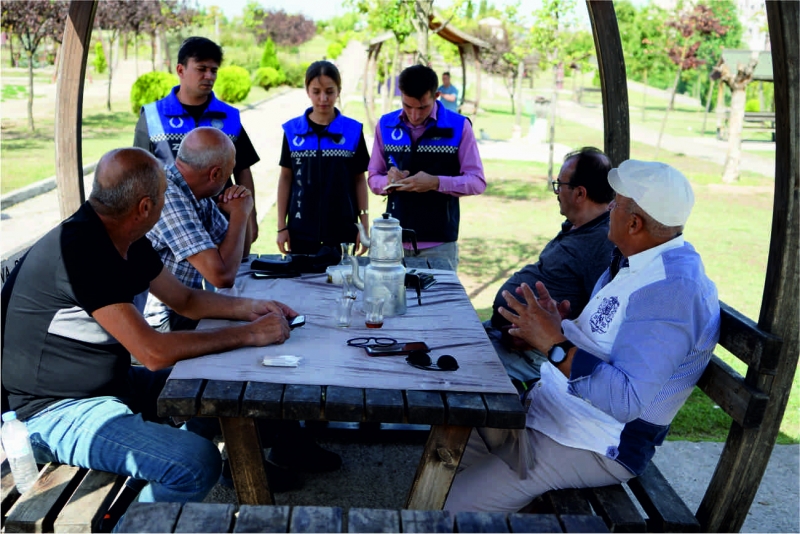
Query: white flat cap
659	189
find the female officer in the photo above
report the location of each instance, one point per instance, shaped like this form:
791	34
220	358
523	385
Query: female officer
322	188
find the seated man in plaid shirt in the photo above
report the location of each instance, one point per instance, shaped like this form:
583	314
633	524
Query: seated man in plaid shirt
192	237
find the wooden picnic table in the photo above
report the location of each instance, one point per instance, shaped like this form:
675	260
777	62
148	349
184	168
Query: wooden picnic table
238	404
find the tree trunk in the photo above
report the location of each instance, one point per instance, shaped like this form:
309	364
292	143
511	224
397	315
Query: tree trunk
644	95
735	125
125	46
720	109
11	49
552	119
30	90
153	41
165	50
671	103
136	55
423	10
708	105
517	133
110	71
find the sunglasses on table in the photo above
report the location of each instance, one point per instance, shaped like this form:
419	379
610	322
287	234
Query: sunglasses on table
371	342
422	360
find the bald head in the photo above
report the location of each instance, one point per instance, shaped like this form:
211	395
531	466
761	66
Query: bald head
205	147
122	178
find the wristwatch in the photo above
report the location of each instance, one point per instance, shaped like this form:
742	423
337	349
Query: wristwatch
558	352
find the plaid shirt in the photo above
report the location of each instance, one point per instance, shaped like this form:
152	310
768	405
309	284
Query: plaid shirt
187	226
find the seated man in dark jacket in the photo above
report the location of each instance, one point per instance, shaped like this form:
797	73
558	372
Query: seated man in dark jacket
570	264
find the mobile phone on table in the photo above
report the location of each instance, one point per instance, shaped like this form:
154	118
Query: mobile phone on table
268	275
297	322
398	349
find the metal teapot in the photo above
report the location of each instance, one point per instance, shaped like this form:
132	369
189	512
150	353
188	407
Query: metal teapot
385	275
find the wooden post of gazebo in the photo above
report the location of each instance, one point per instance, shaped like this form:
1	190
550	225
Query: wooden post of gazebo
69	106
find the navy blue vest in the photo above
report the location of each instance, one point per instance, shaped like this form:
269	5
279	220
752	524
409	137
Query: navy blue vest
322	204
168	123
434	216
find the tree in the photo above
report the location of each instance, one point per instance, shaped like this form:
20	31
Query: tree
32	22
691	28
270	56
549	38
100	63
285	30
737	79
111	17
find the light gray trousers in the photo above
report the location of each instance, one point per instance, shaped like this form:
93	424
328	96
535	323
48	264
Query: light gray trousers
486	481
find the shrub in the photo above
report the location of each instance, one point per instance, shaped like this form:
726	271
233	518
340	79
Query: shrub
267	77
295	74
151	87
100	64
247	58
270	56
233	84
334	50
752	105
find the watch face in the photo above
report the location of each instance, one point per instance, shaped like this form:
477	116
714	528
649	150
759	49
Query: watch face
556	355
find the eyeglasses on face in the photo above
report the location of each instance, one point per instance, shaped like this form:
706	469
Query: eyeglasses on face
422	360
557	186
371	341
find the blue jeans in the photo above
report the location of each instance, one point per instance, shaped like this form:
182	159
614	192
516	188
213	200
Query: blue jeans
123	436
448	251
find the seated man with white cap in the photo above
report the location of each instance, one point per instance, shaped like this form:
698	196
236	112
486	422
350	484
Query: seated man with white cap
617	374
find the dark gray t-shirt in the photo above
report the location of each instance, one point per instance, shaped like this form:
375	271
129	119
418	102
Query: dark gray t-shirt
53	349
569	266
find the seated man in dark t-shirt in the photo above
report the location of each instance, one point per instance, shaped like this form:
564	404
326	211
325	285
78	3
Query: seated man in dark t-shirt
72	316
570	264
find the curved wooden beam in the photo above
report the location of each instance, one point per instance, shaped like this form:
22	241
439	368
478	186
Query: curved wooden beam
69	106
744	458
613	81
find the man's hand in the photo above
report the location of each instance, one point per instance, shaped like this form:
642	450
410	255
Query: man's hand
538	321
269	329
395	175
419	183
284	243
563	306
236	198
265	307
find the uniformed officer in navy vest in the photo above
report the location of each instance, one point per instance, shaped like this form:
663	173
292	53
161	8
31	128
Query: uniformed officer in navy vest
163	124
424	158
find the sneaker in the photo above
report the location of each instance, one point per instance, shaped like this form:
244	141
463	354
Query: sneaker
305	457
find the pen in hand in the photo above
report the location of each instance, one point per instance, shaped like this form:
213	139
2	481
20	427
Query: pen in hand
393	163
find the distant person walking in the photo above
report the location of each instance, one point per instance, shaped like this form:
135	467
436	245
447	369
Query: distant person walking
448	94
163	124
322	188
424	158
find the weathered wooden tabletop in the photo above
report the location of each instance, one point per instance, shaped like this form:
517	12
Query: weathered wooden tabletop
452	416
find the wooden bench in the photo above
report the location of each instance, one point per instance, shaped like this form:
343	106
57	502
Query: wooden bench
583	90
209	517
759	121
63	499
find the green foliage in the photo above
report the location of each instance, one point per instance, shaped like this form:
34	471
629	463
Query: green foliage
151	87
99	62
295	73
334	50
548	35
752	105
644	42
233	84
267	77
10	92
269	59
389	15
